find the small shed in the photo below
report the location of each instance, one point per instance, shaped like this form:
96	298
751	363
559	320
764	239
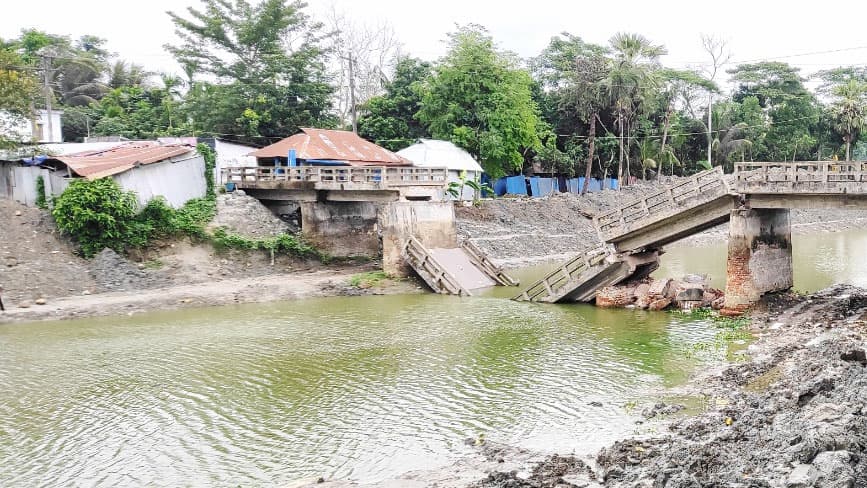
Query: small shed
173	171
430	153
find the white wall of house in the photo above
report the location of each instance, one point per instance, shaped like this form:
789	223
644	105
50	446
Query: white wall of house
469	193
177	182
230	154
19	183
35	129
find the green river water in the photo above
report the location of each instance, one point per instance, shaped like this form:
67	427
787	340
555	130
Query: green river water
361	388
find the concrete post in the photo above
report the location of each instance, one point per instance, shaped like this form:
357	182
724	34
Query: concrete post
759	256
432	223
341	229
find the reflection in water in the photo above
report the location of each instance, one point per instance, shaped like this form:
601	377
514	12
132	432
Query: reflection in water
820	260
363	388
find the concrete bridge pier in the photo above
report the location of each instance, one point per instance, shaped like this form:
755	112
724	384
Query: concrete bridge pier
759	256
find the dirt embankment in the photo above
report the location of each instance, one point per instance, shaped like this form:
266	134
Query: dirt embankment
43	278
522	231
795	415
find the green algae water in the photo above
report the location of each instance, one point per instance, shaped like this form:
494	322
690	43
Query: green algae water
360	388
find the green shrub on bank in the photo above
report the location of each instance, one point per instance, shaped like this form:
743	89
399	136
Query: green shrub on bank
41	200
99	214
282	243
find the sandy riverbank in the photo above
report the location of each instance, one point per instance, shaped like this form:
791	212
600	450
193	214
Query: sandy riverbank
260	289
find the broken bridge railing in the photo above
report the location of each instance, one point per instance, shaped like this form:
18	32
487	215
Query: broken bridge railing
361	175
817	177
698	189
430	270
551	287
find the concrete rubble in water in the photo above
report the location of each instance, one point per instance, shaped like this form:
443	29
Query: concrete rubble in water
691	291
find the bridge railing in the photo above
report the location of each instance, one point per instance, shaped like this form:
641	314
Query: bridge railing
698	189
801	177
362	175
553	282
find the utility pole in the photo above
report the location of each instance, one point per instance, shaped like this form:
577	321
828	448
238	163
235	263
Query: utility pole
46	68
352	96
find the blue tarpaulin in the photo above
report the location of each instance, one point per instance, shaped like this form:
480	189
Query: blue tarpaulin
611	183
516	185
499	187
534	187
547	186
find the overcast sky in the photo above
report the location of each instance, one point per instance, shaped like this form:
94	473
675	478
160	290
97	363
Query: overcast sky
756	29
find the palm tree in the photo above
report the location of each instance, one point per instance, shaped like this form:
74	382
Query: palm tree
122	73
728	140
632	80
850	111
677	86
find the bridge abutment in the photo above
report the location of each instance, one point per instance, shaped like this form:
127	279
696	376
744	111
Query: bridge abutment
759	256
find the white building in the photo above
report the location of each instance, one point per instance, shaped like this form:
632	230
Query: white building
429	153
231	154
41	128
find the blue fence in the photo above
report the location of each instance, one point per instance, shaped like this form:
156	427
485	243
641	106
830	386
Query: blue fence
540	187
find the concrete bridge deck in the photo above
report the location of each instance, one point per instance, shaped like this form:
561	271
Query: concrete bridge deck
756	195
337	183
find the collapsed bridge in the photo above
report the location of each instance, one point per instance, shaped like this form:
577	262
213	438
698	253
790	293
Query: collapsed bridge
756	202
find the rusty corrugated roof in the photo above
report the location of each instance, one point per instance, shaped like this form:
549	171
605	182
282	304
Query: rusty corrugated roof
336	145
98	164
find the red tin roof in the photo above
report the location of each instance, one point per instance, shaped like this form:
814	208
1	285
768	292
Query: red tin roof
97	164
336	145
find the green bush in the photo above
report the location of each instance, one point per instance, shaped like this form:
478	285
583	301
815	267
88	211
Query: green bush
98	214
210	163
282	243
41	201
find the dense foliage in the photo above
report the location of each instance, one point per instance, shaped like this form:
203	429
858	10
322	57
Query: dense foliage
257	71
267	86
480	99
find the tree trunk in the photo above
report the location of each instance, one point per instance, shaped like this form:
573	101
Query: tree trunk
848	140
620	160
665	124
591	138
628	146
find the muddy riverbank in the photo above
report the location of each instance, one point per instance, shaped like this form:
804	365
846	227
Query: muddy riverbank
794	415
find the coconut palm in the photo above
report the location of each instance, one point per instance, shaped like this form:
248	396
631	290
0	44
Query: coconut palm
632	81
122	73
850	111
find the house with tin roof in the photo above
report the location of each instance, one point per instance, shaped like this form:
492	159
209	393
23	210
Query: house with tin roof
324	147
150	169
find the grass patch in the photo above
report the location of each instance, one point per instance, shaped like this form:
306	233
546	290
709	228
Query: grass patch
368	280
153	264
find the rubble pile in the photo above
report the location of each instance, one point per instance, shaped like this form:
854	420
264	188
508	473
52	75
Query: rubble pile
691	291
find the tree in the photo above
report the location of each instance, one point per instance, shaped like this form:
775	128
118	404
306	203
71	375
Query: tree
632	81
849	108
479	99
136	113
19	91
575	73
794	117
363	55
268	64
389	119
